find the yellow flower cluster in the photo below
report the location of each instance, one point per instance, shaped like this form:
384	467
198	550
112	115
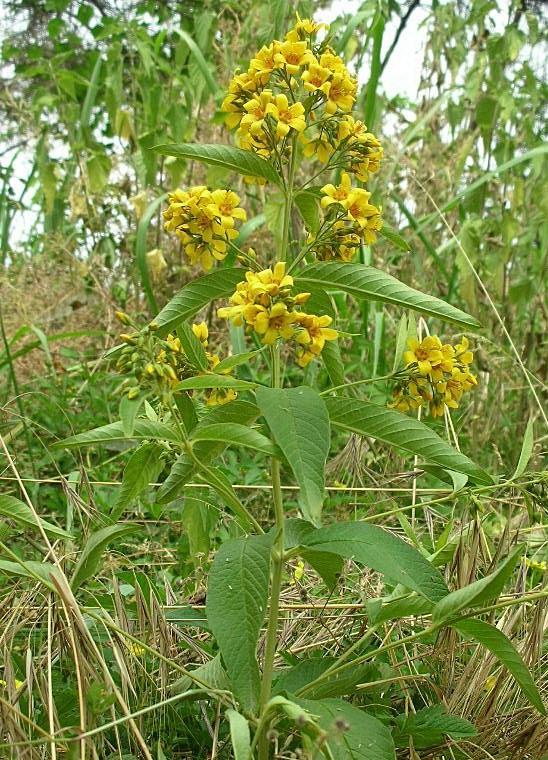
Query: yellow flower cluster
436	375
204	221
289	86
216	396
264	304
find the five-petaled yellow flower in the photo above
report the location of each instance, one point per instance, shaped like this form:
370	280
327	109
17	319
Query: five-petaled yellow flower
287	117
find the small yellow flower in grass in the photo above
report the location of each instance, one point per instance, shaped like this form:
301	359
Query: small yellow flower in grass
274	323
292	55
136	649
287	117
16	682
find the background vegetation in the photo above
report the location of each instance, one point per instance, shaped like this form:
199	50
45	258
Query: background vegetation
87	89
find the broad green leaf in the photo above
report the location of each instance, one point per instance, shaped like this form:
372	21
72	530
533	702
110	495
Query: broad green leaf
309	209
192	347
397	429
236	360
394	607
328	566
198	520
401	340
142	468
128	410
233	159
430	726
210	674
382	551
240	412
372	284
141	248
22	514
92	552
526	450
365	737
331	357
498	644
298	420
239	735
478	592
300	675
142	430
232	433
195	295
237	596
212	380
222	485
187	411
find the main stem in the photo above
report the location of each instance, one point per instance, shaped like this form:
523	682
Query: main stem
277	551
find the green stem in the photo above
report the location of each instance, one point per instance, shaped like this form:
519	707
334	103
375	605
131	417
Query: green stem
276	561
359	382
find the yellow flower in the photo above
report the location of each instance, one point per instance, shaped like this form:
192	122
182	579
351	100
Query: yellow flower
136	649
337	194
16	682
225	206
316	78
333	62
156	263
274	323
264	62
201	332
341	94
318	148
232	110
358	207
425	354
255	109
220	396
305	27
463	354
314	331
293	55
287	117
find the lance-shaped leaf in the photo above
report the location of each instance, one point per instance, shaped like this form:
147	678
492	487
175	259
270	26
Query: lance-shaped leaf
478	592
299	422
22	514
142	468
234	434
500	645
429	727
372	284
142	430
382	551
233	159
239	735
93	551
397	429
237	596
212	380
197	294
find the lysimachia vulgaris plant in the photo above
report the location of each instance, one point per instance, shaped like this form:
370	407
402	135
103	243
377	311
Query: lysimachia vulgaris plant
295	134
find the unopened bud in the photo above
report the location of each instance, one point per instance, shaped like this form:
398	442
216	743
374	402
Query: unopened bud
133	392
154	326
128	338
122	317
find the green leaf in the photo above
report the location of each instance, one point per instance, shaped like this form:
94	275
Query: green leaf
91	94
478	592
195	295
486	109
142	468
298	420
234	434
372	284
192	347
128	412
236	360
382	551
328	566
212	380
222	485
42	571
141	247
397	429
401	340
526	450
430	726
496	642
305	672
23	515
394	606
143	430
236	604
198	520
393	237
93	551
98	169
239	735
210	674
233	159
365	737
331	357
307	204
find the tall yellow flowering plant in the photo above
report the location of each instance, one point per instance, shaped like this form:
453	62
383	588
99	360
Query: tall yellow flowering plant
291	114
